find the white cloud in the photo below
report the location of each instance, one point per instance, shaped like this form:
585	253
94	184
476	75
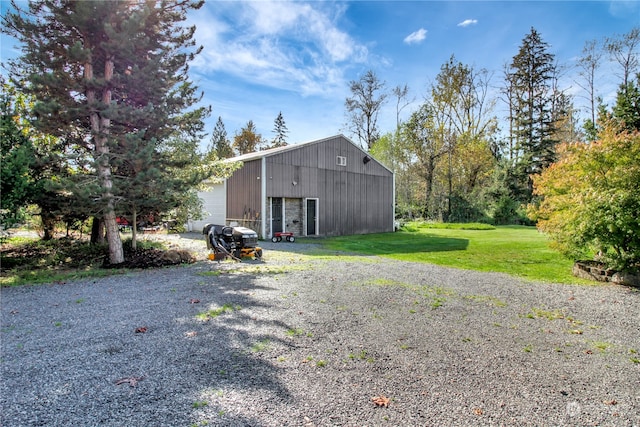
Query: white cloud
286	45
624	8
468	22
416	36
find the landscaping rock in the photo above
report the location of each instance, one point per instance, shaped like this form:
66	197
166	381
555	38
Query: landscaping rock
626	278
594	270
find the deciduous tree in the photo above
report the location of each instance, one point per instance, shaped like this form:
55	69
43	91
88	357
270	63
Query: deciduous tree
363	106
588	65
16	159
591	199
625	51
247	140
422	140
463	120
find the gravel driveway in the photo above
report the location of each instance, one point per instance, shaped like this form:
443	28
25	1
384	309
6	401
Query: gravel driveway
306	338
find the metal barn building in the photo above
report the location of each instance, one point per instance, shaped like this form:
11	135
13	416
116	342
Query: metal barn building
328	187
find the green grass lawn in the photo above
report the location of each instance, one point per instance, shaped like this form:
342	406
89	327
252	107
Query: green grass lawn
517	250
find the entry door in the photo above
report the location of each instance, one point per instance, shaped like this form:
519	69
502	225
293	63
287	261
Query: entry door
276	215
312	215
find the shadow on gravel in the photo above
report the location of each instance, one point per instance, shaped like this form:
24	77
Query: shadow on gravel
76	354
229	347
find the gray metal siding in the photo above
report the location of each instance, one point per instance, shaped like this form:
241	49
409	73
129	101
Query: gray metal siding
323	155
243	193
355	204
352	199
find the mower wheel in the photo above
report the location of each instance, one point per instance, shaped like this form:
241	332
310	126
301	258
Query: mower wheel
259	253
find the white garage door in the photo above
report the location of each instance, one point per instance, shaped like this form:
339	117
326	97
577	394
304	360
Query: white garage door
214	207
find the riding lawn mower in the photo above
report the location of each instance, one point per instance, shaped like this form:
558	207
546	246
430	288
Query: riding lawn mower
232	242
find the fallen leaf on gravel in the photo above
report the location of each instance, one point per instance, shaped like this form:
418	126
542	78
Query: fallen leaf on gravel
14	312
141	330
191	333
194	301
132	381
381	401
610	402
478	411
588	352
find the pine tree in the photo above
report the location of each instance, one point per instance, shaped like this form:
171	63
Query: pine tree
627	108
281	131
114	89
220	147
530	79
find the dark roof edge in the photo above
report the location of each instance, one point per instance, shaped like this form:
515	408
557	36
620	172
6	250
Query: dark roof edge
273	151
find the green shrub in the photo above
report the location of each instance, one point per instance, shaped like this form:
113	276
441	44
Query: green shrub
590	199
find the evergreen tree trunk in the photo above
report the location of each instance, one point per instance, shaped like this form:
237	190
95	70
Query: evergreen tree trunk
134	230
48	225
97	231
100	128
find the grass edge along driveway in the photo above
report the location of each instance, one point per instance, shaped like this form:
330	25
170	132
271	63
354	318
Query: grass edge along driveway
520	251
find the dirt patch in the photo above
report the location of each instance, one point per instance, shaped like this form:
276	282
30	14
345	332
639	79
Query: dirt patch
153	258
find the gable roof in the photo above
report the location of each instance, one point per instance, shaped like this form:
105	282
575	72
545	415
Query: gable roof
271	151
257	155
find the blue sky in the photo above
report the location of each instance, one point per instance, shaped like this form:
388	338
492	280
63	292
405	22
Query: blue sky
262	57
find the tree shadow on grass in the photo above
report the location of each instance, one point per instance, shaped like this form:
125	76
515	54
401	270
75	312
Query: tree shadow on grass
384	244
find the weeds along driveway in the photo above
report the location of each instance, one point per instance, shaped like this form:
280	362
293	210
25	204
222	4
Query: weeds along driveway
315	339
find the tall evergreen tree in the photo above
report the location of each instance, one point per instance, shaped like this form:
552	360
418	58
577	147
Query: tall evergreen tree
627	108
281	131
110	80
220	147
530	80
